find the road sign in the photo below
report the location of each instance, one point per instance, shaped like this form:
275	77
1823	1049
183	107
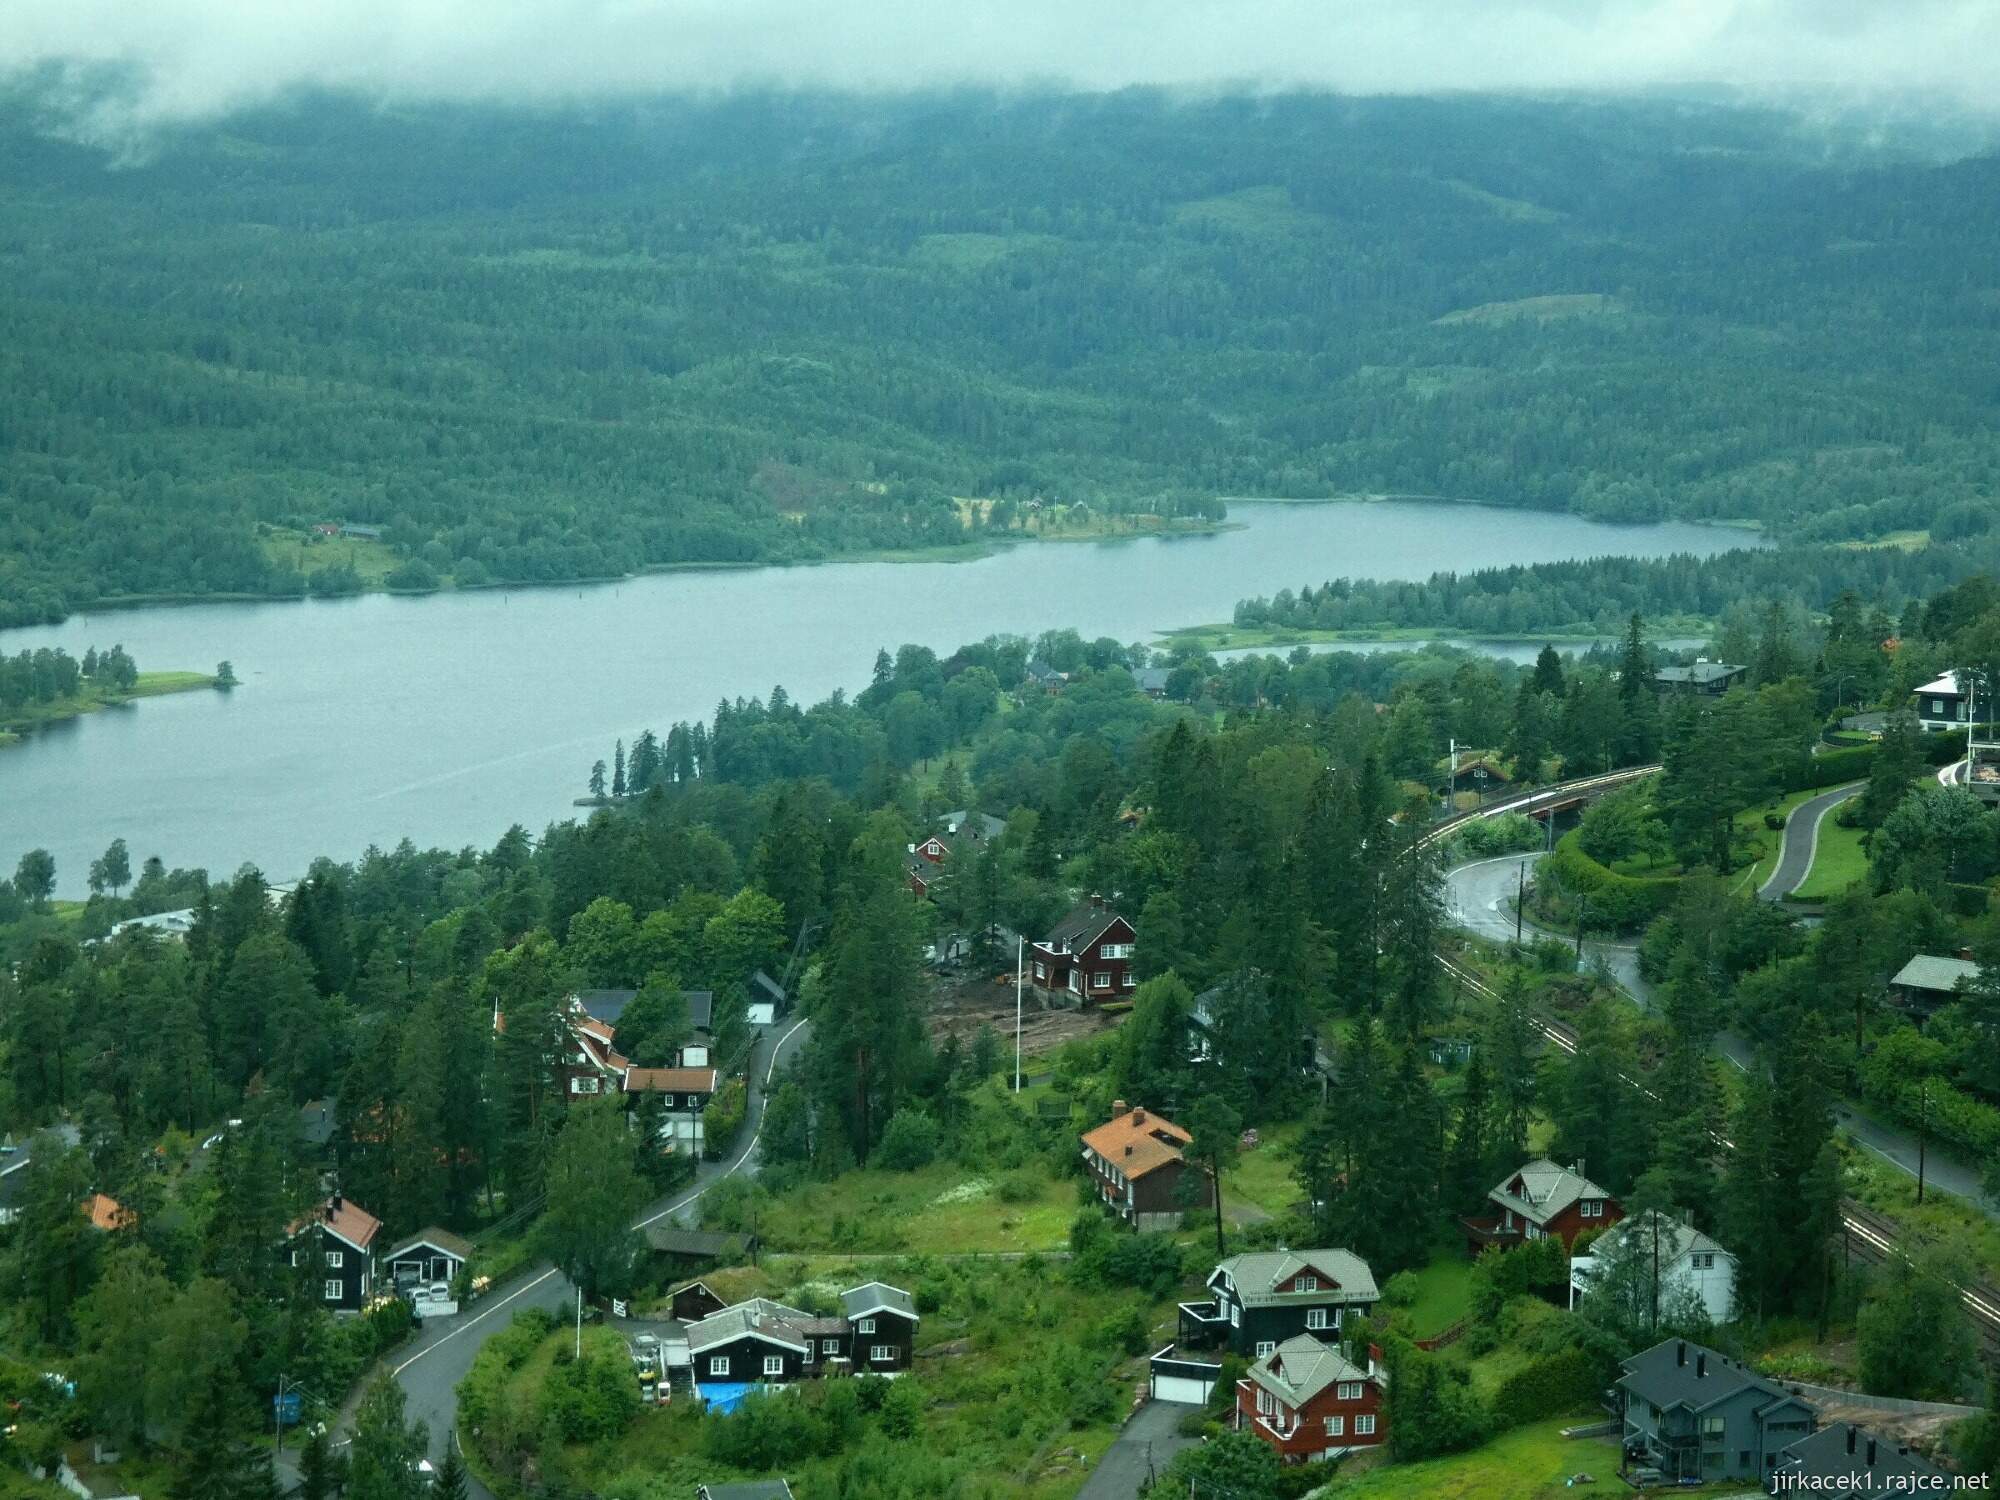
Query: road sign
287	1408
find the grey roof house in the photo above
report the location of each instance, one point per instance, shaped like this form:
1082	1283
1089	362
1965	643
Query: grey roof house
1845	1462
1711	678
1929	982
1693	1416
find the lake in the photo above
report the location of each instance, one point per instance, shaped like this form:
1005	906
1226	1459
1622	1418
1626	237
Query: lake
447	718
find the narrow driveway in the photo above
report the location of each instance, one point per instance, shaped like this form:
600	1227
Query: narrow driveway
1480	899
430	1370
1801	843
1143	1448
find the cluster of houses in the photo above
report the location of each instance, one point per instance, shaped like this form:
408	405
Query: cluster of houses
596	1066
940	855
336	1241
761	1342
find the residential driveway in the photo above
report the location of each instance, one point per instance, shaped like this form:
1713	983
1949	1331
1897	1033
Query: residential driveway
1142	1450
1801	843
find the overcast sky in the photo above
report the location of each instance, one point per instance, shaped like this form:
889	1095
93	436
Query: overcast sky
199	57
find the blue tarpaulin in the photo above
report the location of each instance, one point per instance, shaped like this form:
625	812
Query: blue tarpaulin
724	1397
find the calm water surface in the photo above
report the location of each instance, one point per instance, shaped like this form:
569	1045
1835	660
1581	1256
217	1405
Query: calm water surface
445	719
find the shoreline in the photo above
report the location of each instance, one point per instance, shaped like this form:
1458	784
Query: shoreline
1220	637
972	549
15	731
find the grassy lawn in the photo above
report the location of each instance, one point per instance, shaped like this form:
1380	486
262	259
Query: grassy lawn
1892	1191
374	561
1264	1176
1444	1291
1529	1463
938	1209
1750	827
1839	861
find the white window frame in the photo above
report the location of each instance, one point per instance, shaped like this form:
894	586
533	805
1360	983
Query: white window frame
1364	1426
333	1291
295	1257
1318	1319
1704	1260
1308	1284
1100	979
1075	985
1347	1390
335	1260
1590	1208
1041	969
1235	1316
1265	1346
774	1364
718	1364
1266	1402
1336	1426
828	1348
866	1325
879	1353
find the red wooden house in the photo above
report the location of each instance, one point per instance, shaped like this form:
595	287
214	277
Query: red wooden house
1136	1162
1309	1401
1088	954
1539	1201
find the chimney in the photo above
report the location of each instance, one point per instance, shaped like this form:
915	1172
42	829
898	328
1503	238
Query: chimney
1096	902
1701	1366
1138	1116
1680	1354
1117	1106
1871	1453
1577	1167
1850	1437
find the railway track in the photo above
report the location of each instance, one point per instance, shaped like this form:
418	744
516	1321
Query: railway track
1864	1232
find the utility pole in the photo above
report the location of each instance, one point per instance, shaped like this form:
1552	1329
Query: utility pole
1582	911
278	1417
1020	948
1520	897
1451	795
1923	1134
579	1320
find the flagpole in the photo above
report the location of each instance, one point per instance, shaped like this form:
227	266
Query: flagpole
1019	944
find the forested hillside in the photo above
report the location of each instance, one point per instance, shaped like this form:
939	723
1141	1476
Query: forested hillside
538	346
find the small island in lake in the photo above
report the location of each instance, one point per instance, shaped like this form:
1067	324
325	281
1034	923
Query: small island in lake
48	685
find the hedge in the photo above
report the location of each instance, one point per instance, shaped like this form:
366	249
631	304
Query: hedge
1550	1386
1834	768
1624	902
1890	1078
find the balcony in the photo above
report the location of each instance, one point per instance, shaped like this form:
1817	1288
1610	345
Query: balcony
1481	1233
1203	1325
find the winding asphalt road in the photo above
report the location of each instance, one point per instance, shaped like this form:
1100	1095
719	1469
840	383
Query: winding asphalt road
429	1370
1480	899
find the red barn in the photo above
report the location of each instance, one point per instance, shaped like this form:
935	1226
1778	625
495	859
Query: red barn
1309	1401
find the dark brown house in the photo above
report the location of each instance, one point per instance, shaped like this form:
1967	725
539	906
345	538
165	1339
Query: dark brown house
1135	1161
1087	955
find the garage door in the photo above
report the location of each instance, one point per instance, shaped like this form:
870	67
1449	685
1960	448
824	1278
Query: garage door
1181	1388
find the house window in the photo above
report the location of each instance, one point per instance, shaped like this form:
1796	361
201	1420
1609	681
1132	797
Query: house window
1364	1427
882	1353
1531	1231
1591	1208
1075	975
332	1291
866	1325
335	1260
774	1364
718	1364
1308	1284
295	1257
1265	1346
1937	705
1041	970
1101	979
1336	1426
1235	1316
1705	1261
1347	1390
1317	1318
1115	950
1266	1403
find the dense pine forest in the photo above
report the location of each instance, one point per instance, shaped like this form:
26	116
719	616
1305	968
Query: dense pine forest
534	346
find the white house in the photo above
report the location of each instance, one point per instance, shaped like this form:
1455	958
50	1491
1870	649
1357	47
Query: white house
1687	1258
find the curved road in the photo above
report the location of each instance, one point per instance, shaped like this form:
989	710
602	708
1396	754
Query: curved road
430	1370
1801	842
1480	899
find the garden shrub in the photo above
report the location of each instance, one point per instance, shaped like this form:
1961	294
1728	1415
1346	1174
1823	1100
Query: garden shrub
1621	902
722	1120
1549	1386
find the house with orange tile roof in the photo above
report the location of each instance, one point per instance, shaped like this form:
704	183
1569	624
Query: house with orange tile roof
596	1066
108	1214
1136	1162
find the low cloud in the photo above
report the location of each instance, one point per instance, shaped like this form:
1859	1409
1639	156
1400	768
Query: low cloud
189	59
